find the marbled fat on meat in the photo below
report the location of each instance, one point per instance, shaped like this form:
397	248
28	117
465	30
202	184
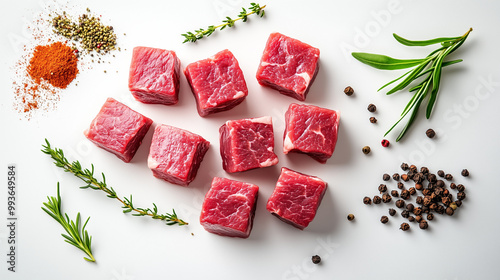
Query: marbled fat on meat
311	130
247	144
229	208
296	197
154	76
118	129
176	154
288	65
217	83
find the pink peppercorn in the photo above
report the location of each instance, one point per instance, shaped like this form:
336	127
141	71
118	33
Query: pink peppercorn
385	143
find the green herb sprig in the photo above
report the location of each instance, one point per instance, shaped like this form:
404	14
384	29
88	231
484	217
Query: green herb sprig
228	22
88	177
77	236
430	67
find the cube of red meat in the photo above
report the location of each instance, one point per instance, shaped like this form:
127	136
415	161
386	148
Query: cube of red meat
247	144
311	130
229	208
296	197
154	76
288	65
176	154
118	129
217	83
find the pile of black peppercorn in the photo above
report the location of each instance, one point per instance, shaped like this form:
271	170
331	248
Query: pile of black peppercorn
429	190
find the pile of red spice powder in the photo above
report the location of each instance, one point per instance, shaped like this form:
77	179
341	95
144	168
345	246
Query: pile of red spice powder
51	68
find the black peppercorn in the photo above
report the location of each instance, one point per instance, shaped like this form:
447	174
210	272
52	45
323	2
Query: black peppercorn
440	209
427	200
417	211
440	183
405	214
424	170
426	192
386	198
465	172
413	168
373	120
395	176
382	188
418	218
384	219
366	150
405	194
449	211
372	108
350	217
431	178
460	188
440	173
348	91
448	177
423	224
386	177
419	186
453	186
316	259
367	200
400	203
404	227
430	216
401	185
461	196
404	166
392	211
405	177
412	191
430	133
419	200
377	199
446	200
458	203
410	207
418	178
395	193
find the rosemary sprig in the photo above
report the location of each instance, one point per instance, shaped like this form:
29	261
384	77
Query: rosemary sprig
88	177
228	22
431	66
76	236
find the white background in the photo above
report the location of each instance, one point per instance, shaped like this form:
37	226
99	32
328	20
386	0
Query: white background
464	246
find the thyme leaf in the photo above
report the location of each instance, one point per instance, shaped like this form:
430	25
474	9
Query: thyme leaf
87	175
228	22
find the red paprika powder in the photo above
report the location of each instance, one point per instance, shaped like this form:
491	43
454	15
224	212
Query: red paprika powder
56	63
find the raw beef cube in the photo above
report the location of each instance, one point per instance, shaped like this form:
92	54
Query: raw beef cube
154	76
118	129
247	144
311	130
296	197
176	154
229	208
288	65
217	83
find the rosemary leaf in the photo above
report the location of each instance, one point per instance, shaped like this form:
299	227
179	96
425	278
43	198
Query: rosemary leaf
78	236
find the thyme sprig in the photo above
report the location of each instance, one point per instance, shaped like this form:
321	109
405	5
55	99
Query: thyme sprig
87	175
77	236
431	66
228	22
